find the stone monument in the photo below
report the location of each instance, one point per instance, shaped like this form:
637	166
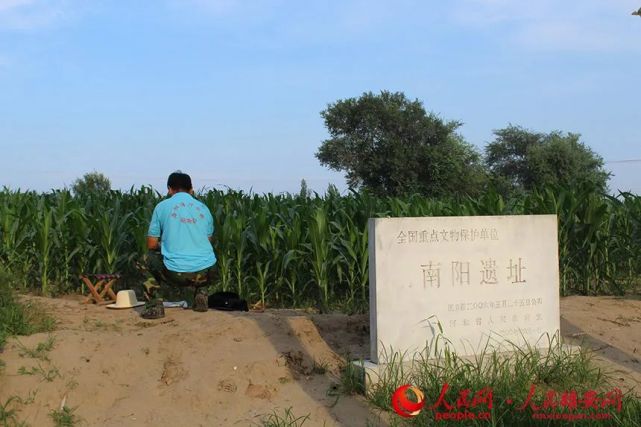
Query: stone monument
478	279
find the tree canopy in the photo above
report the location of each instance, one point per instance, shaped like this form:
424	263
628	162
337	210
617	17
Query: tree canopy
390	145
521	160
91	182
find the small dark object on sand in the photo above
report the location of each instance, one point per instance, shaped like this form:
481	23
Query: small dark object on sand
228	301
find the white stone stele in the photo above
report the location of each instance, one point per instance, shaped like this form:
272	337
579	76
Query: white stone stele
481	279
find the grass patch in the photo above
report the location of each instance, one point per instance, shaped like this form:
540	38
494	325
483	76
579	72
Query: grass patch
20	318
284	418
40	352
64	417
9	410
47	375
512	379
350	382
72	384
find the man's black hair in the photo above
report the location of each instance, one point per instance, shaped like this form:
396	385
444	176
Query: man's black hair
179	181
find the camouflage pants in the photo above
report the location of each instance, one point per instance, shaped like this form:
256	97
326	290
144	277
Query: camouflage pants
167	283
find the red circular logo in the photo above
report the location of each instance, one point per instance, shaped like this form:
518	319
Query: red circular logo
402	403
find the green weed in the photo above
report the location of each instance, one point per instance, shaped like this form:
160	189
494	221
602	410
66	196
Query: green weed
64	417
350	380
47	374
284	418
72	384
509	377
8	410
41	351
18	318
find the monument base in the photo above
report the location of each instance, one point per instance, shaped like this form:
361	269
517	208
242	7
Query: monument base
367	373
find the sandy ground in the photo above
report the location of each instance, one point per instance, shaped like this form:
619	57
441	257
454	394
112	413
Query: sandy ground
227	369
611	327
188	369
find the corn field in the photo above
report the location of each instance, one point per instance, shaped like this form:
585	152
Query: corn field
295	250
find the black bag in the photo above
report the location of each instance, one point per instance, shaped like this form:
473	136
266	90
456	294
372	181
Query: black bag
228	301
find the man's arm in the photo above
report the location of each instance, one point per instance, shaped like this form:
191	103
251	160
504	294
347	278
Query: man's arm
154	231
153	243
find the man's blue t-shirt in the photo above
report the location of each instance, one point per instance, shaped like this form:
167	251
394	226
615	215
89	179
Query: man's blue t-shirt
184	225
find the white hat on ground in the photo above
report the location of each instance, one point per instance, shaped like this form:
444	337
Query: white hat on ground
126	299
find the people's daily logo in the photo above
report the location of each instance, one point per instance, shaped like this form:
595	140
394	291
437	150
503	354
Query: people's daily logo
403	405
469	405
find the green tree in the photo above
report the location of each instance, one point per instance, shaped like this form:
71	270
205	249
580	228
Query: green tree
391	146
92	182
522	160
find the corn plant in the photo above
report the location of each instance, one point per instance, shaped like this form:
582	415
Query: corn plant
353	260
44	243
239	232
293	261
319	248
16	236
296	250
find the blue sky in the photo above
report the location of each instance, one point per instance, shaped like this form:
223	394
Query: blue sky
231	91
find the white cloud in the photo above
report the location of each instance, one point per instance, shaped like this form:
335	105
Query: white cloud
573	25
220	7
247	9
482	13
275	23
12	4
565	35
26	15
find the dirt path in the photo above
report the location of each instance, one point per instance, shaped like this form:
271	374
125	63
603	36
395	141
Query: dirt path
188	369
226	369
612	328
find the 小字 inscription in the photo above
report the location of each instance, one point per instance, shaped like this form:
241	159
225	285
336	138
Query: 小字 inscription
477	277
